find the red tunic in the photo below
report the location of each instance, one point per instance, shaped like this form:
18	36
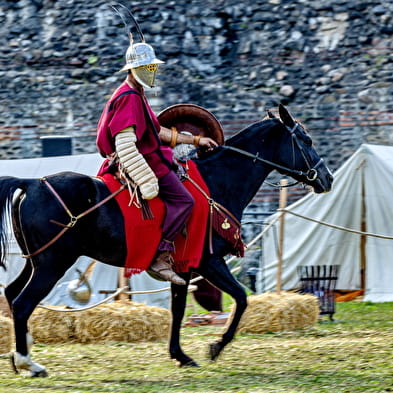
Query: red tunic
129	111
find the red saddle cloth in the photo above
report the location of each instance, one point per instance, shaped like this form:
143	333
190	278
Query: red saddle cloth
143	236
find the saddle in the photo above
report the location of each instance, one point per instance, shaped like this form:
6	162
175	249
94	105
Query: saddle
144	234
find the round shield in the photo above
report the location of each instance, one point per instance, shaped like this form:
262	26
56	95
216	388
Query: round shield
194	119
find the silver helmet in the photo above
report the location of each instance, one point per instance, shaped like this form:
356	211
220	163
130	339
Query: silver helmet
140	56
80	290
143	63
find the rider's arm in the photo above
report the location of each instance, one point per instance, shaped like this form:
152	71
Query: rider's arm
135	164
173	137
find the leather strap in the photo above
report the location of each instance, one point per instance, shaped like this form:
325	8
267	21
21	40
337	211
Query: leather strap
213	205
73	219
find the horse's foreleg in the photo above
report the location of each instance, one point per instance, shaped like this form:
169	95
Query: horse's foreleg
179	297
218	274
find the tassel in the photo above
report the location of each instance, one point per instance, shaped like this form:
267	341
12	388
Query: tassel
147	214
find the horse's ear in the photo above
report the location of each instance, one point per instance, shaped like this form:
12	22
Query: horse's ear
270	115
285	116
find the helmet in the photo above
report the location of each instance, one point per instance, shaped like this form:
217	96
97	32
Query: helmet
140	57
140	54
80	290
142	61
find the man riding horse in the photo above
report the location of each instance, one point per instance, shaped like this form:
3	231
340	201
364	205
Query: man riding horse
130	135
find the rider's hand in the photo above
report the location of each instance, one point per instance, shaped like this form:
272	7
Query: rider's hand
207	142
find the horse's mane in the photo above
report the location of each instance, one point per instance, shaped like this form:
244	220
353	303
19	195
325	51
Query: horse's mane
261	126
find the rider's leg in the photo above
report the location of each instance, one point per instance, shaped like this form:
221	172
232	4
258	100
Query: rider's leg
178	203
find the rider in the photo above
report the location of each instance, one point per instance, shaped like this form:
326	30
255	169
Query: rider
129	132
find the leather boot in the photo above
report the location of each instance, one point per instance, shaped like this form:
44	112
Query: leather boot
162	267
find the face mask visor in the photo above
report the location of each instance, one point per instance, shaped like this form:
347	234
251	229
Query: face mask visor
145	75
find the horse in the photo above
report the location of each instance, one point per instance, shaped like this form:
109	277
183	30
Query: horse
233	173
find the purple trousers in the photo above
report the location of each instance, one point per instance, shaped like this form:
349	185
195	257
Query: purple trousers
178	203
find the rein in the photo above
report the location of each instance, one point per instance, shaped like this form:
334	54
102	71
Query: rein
73	219
311	174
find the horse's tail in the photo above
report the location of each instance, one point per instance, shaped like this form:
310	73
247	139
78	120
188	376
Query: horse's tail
8	186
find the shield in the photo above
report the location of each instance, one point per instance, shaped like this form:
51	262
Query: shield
194	119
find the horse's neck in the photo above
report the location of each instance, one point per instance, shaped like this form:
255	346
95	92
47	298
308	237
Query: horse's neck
233	179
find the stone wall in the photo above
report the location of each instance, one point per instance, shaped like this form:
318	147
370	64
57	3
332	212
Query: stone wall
330	62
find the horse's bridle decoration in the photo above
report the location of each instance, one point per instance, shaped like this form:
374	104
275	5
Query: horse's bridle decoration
310	175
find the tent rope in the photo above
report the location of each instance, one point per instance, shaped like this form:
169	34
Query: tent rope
125	289
341	228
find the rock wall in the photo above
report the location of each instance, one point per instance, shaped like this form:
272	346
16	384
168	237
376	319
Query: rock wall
330	62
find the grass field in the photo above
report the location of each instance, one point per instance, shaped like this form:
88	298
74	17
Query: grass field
353	354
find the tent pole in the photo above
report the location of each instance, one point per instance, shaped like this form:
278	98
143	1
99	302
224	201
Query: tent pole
282	205
122	282
363	238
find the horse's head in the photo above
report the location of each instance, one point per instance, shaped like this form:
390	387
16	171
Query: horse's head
297	154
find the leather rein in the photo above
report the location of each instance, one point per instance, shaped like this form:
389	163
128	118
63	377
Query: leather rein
73	219
311	174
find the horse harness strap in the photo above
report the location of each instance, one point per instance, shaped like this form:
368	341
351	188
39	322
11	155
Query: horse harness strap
256	157
73	219
222	225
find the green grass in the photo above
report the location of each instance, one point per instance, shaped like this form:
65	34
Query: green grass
353	354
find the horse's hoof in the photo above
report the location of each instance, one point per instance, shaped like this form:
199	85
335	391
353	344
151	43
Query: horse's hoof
214	350
41	373
189	363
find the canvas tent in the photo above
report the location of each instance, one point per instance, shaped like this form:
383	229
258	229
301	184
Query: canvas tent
361	199
104	277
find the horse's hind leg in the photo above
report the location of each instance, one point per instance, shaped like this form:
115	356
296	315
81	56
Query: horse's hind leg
41	283
217	272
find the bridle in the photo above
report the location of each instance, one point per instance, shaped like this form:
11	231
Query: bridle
311	174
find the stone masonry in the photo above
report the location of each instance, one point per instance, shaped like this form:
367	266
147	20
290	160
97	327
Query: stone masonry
330	62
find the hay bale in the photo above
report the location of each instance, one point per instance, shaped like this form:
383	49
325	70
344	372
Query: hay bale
6	334
122	321
271	312
4	308
118	321
50	327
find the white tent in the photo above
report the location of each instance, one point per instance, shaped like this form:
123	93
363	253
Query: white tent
104	277
361	199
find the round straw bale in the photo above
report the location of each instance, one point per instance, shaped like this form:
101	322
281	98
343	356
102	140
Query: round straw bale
49	327
122	321
271	312
6	334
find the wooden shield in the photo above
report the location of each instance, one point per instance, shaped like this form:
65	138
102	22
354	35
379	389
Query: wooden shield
194	119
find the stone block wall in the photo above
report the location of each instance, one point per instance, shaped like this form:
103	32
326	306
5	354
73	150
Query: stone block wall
330	62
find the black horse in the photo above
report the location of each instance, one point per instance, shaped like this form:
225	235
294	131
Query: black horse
233	172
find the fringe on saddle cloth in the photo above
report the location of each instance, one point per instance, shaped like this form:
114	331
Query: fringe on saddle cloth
143	235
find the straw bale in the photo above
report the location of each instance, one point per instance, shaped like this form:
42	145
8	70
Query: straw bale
118	321
122	321
49	327
4	308
271	312
6	334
